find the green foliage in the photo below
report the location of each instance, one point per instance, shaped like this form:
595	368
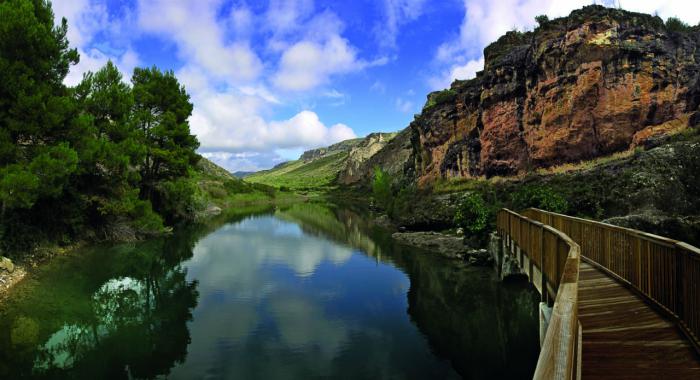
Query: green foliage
674	24
161	109
18	187
175	199
381	188
538	196
440	97
473	214
542	20
75	161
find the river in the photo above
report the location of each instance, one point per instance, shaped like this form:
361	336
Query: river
302	292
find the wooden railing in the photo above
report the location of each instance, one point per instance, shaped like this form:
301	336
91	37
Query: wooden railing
664	271
557	258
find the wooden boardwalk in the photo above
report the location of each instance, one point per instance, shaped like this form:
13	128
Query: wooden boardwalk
625	338
625	304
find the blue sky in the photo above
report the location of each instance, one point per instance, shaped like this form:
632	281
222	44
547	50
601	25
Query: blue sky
270	79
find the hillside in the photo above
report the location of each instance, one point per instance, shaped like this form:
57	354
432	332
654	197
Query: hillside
321	168
218	189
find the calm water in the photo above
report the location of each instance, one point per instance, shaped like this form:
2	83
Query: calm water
305	292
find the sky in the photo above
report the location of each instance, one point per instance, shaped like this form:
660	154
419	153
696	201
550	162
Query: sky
270	79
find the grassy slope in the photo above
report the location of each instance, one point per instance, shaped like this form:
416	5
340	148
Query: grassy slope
297	175
217	187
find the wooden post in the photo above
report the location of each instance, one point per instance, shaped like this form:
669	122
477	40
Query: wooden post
680	281
543	275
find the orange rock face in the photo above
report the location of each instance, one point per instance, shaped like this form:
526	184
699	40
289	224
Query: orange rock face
599	81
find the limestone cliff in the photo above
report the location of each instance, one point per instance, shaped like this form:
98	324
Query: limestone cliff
598	81
358	166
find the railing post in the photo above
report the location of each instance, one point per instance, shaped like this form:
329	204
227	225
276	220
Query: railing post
543	275
680	293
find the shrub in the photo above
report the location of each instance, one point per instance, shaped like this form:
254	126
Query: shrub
674	24
542	20
541	197
381	188
440	97
473	214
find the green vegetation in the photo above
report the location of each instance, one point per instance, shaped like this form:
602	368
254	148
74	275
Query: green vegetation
298	175
674	24
539	196
381	188
103	160
473	214
542	20
440	97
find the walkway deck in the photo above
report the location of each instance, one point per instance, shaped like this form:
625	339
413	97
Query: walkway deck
624	338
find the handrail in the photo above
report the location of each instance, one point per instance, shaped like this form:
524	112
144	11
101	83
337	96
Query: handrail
557	257
664	271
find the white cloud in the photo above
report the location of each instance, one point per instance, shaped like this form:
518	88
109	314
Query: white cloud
397	13
200	37
86	19
232	122
404	106
457	71
94	59
306	64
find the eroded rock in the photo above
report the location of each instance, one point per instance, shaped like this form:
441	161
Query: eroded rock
599	81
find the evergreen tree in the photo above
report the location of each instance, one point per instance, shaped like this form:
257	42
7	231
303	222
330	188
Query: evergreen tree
112	152
162	107
36	110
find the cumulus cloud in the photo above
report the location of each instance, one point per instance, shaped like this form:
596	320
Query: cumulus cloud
230	122
200	37
457	71
485	20
397	13
86	19
306	65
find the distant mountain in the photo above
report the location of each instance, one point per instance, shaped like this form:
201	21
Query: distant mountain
323	167
242	174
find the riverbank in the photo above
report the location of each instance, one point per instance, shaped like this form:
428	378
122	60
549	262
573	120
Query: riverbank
213	215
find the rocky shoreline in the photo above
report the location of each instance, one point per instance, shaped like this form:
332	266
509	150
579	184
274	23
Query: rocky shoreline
448	246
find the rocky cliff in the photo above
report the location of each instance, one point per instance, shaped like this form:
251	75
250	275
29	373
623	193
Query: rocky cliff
361	157
598	81
343	146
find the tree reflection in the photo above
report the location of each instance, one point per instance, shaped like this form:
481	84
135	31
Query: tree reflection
133	325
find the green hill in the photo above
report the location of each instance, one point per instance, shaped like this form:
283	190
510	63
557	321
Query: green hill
323	168
301	175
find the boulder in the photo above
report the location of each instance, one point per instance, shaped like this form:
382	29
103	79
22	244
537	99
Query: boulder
6	264
449	246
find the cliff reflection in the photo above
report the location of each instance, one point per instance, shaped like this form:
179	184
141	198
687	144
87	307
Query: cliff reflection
486	328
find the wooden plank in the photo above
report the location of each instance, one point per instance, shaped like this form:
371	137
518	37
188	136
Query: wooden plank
623	337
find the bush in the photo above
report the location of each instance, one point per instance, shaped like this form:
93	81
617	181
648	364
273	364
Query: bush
176	200
440	97
473	214
542	20
674	24
541	197
381	188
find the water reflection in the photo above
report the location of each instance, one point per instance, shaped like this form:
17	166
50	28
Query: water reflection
312	291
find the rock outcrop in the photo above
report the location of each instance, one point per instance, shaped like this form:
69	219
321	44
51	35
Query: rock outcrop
598	81
343	146
359	162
